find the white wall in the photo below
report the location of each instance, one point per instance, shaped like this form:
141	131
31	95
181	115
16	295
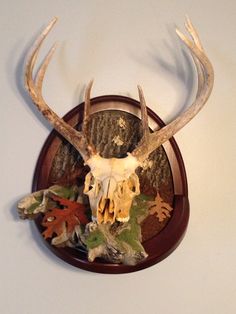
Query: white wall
122	44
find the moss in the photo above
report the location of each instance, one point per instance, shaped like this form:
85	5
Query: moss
32	207
129	237
67	192
95	239
132	234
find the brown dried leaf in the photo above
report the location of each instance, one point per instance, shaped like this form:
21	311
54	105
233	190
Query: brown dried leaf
159	208
70	216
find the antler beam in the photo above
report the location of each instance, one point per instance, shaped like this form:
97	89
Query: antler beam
34	87
205	84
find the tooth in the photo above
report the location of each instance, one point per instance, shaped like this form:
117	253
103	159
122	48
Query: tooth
100	218
125	219
101	205
111	207
105	216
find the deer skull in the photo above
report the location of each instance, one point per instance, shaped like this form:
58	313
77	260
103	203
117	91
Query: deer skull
112	183
111	186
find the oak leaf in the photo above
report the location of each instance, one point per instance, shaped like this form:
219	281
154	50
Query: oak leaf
159	208
71	215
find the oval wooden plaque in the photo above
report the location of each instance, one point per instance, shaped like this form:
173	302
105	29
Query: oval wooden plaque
159	246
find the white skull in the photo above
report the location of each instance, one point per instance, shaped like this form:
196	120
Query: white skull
111	186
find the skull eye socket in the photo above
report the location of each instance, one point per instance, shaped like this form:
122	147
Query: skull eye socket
91	183
132	187
133	184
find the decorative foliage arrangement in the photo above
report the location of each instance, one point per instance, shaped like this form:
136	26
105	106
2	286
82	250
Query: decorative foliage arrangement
67	222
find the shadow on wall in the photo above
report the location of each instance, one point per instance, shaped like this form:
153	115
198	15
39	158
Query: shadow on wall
16	78
180	68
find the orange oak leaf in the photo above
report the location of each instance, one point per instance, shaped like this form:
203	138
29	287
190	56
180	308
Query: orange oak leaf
55	219
159	208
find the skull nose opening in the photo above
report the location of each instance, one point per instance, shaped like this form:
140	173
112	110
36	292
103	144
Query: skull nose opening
106	211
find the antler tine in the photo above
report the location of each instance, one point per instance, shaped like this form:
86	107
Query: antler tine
193	33
144	118
205	84
144	115
87	104
34	87
29	82
43	68
87	112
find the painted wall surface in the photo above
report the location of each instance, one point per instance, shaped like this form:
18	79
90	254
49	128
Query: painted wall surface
121	44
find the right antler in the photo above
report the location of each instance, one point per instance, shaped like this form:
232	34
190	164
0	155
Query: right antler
150	142
34	87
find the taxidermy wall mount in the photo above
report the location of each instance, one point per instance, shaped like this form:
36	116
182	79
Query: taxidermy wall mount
98	213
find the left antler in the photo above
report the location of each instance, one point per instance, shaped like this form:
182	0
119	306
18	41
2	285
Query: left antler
34	87
205	84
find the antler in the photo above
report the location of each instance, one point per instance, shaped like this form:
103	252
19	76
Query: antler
205	84
86	118
34	87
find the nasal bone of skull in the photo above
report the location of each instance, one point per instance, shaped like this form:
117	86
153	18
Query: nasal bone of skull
106	211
